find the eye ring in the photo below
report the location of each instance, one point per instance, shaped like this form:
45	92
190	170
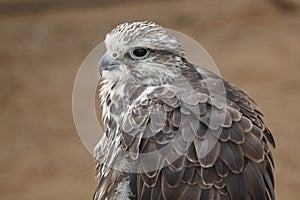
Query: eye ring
139	53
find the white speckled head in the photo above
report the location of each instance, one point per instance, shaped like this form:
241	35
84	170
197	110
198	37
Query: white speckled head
141	34
160	63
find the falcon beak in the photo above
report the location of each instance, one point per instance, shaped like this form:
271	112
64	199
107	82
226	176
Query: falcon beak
107	62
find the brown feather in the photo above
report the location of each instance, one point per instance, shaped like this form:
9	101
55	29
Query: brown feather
236	133
253	148
236	186
221	169
256	186
207	150
232	155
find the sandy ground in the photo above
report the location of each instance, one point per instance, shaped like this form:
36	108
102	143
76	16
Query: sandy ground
254	43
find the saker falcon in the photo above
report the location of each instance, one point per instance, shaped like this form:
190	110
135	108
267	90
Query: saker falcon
174	130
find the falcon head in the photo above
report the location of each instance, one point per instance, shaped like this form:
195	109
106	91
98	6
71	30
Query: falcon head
142	52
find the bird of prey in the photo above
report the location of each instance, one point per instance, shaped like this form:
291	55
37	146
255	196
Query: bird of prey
174	130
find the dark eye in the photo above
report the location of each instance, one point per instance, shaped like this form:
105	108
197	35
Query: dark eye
139	53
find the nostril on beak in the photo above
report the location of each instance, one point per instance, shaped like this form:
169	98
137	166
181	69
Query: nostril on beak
107	62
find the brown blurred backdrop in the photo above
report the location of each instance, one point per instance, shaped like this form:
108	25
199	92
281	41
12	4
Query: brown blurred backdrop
255	44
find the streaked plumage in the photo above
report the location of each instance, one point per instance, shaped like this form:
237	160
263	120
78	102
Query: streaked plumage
207	138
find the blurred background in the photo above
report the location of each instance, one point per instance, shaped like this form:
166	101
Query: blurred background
255	44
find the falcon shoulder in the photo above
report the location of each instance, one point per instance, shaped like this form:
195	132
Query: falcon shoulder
207	142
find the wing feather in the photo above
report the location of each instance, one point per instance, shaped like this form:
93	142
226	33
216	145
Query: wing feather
236	186
232	155
254	176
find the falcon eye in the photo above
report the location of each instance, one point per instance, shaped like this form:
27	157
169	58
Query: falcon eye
139	53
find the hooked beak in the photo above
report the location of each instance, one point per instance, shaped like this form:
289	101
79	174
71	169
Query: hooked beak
107	62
